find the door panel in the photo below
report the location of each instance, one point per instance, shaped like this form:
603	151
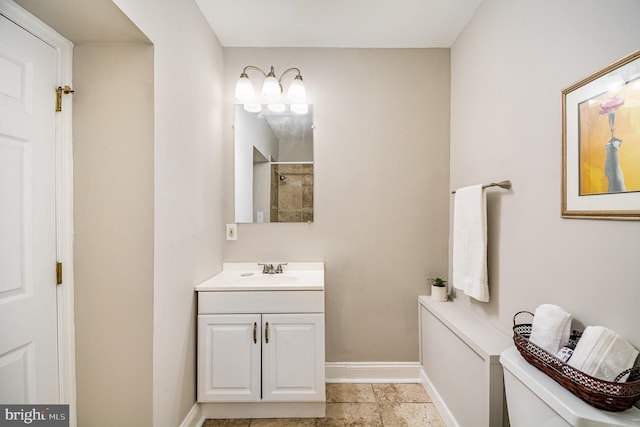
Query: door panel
229	358
14	226
16	368
28	318
293	357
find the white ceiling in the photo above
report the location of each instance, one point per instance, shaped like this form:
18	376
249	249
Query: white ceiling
279	23
338	23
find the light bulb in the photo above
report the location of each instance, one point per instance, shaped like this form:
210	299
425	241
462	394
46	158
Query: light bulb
297	93
244	89
300	108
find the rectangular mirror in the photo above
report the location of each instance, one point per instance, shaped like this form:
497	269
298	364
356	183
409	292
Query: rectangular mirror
273	163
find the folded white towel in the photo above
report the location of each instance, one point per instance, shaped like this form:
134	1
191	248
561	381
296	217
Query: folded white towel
470	242
551	328
603	354
590	349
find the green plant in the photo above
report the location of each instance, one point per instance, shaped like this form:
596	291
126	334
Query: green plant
438	282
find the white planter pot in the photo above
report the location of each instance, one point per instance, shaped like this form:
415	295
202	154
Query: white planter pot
439	293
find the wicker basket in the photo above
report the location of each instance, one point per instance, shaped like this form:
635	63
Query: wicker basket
611	396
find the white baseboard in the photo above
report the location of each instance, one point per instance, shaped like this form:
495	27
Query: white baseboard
263	410
373	372
441	406
195	417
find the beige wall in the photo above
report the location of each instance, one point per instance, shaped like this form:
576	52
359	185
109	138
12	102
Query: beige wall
381	189
113	242
508	70
188	225
148	223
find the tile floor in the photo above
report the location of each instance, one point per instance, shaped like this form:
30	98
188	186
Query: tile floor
366	405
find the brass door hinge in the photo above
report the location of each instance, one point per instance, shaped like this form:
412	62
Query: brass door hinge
58	273
59	91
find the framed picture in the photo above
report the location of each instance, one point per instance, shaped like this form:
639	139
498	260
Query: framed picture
601	144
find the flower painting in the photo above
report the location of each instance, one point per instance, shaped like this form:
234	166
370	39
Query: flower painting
609	140
601	143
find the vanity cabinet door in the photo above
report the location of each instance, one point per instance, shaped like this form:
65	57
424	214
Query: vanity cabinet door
293	357
229	357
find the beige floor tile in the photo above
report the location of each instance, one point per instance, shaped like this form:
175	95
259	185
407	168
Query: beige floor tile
410	415
352	415
283	422
240	422
407	393
360	405
343	393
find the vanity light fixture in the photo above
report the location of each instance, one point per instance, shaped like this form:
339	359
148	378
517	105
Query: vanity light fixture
271	89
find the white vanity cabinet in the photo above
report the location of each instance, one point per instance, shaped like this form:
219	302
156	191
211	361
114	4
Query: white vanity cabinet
261	357
261	346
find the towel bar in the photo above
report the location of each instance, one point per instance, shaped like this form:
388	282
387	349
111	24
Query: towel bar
502	184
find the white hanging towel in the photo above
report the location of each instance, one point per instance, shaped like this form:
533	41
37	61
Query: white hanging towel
470	242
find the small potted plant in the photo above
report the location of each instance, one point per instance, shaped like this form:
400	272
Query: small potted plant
438	289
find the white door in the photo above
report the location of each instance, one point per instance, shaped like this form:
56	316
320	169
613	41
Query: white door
229	358
293	357
28	319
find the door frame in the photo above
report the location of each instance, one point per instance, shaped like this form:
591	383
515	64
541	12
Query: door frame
64	200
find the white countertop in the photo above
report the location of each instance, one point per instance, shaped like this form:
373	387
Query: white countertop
299	276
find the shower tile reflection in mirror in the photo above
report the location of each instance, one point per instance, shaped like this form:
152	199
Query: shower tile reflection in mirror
292	192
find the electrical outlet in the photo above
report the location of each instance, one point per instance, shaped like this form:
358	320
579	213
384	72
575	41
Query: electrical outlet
232	231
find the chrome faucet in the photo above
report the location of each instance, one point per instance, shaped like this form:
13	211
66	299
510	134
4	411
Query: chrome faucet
267	268
270	269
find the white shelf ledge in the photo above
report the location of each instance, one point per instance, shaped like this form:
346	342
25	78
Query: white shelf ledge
483	338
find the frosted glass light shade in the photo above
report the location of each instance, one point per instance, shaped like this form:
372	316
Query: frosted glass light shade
276	108
244	89
300	108
271	89
252	108
297	93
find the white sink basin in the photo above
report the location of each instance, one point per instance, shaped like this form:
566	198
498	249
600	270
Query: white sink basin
249	277
268	279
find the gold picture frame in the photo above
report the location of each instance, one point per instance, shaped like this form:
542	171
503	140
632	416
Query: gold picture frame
601	144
